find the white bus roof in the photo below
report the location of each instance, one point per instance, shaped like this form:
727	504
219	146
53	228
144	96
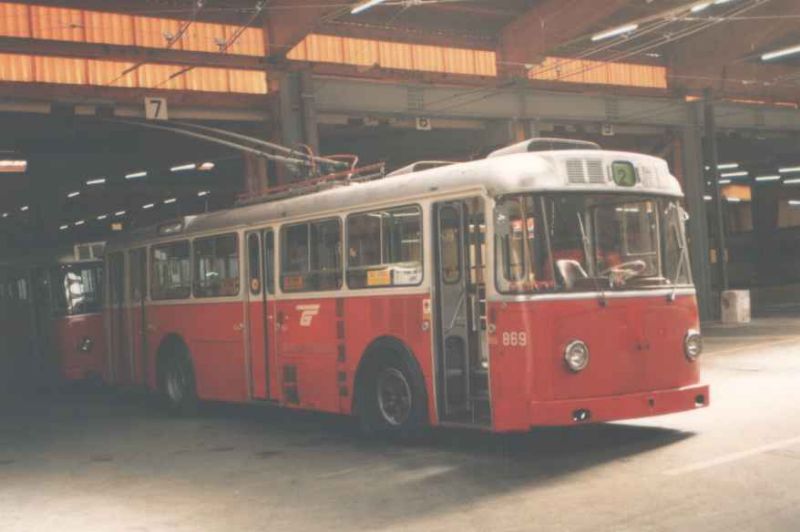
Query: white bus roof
554	171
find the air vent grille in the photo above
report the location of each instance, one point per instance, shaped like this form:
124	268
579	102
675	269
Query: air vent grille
582	171
575	171
594	168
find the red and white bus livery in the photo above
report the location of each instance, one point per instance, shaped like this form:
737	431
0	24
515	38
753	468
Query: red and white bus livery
547	284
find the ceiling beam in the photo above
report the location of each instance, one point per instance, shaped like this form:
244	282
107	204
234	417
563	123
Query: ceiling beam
550	23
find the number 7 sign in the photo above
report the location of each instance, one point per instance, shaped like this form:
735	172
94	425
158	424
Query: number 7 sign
155	108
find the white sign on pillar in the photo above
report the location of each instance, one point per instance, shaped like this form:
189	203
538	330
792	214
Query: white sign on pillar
155	108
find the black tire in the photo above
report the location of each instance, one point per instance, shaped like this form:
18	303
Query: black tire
177	385
391	399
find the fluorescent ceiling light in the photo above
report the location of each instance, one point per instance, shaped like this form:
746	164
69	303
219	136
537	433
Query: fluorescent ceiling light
148	206
363	6
98	181
206	166
789	170
795	181
79	222
13	166
733	200
24	208
628	28
5	215
794	203
135	175
119	213
63	227
203	193
763	178
777	54
700	7
170	200
724	181
183	167
73	194
102	217
735	174
728	166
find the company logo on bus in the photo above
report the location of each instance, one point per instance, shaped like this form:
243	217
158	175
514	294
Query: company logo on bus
307	313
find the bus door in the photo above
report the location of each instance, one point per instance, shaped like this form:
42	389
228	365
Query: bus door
261	312
120	355
137	260
462	364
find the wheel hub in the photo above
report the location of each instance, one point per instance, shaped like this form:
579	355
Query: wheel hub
394	396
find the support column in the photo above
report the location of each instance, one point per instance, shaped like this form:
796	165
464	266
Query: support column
298	116
697	227
712	158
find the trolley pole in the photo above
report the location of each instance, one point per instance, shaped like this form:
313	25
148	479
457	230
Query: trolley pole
716	194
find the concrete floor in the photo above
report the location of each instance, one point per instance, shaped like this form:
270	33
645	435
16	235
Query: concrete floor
110	462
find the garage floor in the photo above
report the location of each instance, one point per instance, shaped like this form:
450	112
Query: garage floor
101	461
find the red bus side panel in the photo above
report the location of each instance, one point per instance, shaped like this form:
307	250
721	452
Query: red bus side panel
69	333
213	334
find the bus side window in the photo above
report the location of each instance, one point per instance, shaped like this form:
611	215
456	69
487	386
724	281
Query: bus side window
216	266
171	271
311	256
269	260
253	263
384	248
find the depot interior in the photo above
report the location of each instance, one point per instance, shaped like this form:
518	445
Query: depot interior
83	158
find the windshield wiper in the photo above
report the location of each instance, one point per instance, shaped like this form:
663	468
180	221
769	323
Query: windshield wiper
587	252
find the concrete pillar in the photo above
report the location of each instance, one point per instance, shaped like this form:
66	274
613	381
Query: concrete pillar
697	227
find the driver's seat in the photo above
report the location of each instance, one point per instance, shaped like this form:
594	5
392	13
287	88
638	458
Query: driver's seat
570	271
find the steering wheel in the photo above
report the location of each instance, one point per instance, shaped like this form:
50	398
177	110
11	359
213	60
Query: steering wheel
626	270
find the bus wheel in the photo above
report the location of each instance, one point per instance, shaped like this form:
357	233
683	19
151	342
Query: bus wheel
392	400
178	386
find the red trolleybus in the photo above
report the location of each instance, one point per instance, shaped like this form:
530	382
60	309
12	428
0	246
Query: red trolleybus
547	284
76	319
51	314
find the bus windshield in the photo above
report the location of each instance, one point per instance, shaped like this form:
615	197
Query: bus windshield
582	242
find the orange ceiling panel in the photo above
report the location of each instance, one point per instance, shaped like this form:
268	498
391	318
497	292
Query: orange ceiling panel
14	20
59	70
109	28
57	23
15	67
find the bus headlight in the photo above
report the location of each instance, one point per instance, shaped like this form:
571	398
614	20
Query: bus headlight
576	355
692	344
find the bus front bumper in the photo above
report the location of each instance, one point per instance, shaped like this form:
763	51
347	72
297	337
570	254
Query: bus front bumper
612	408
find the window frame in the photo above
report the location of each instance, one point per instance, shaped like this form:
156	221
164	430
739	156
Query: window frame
283	250
154	295
194	264
421	212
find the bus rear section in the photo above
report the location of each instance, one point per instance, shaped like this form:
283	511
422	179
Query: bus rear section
595	317
76	326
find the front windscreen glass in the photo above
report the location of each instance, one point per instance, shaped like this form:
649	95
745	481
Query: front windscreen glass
589	242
